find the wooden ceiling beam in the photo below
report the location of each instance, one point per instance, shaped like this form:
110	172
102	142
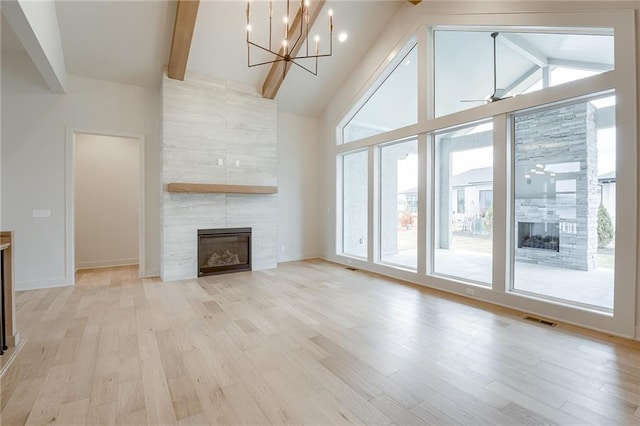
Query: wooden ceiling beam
182	35
276	74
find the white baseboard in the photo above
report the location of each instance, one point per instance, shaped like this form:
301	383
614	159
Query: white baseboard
106	263
40	284
261	266
151	273
14	353
169	277
298	256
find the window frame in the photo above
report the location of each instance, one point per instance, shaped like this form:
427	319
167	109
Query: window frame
622	79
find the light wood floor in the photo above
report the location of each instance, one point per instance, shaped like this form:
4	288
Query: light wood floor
310	342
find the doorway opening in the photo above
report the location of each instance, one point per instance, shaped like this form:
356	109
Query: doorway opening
107	193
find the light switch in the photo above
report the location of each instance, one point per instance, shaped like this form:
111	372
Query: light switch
237	163
42	213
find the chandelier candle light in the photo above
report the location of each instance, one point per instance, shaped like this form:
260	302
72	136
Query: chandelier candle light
291	45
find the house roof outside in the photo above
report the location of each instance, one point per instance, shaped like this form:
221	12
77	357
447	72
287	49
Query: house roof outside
473	177
607	177
485	175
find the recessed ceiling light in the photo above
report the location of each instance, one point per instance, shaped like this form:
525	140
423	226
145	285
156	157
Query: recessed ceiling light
407	63
343	37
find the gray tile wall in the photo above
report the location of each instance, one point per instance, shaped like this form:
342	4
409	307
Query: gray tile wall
205	120
552	137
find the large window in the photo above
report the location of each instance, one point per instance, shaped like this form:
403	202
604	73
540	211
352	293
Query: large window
524	62
398	204
503	182
354	204
464	203
394	104
564	236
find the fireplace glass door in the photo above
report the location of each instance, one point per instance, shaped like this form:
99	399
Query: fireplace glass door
224	250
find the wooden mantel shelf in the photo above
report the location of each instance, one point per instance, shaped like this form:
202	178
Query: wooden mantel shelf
221	189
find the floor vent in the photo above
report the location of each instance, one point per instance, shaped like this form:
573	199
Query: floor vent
541	321
351	268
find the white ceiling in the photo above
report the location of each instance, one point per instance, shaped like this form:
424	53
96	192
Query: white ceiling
219	47
129	42
122	41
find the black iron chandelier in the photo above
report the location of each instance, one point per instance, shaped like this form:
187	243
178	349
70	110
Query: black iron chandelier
290	49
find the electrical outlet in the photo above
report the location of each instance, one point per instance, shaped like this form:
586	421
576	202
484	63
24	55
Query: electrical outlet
470	291
42	213
220	162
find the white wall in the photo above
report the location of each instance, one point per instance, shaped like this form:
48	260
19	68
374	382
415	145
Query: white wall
377	58
299	183
34	134
106	192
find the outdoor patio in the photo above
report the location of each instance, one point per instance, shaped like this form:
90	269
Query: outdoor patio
474	263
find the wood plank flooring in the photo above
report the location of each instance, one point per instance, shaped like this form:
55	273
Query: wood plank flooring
308	343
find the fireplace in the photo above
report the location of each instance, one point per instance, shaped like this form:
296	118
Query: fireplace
538	235
221	251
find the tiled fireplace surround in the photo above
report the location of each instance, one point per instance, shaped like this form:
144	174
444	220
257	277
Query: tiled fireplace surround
216	131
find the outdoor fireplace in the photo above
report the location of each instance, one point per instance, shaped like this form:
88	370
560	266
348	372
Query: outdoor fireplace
221	251
537	235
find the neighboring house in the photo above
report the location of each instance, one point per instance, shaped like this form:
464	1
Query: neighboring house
472	192
471	195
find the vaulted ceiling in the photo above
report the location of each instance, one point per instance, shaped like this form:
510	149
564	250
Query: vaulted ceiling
129	42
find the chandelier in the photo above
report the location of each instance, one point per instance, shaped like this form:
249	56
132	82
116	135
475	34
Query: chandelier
294	45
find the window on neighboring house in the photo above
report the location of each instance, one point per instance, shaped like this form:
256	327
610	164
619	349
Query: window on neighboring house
460	201
485	199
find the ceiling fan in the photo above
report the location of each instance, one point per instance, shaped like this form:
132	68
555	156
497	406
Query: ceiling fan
494	97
